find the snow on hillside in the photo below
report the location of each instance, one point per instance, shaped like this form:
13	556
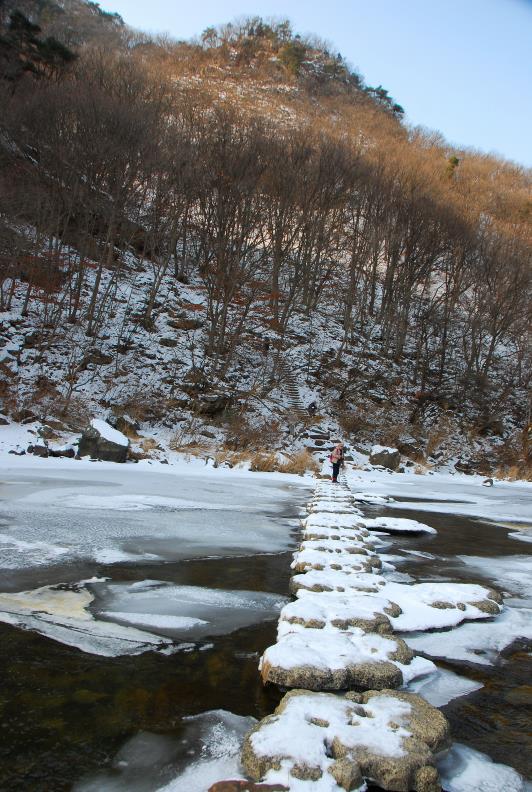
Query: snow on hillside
156	379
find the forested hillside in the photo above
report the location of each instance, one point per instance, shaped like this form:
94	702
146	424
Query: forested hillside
189	228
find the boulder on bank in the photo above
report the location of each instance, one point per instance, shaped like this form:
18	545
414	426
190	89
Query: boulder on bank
386	457
384	736
38	450
101	441
66	451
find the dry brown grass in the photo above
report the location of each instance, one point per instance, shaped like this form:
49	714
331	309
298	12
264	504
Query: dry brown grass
422	468
519	472
187	435
150	444
77	414
242	435
392	435
354	422
300	463
512	459
130	432
263	462
437	435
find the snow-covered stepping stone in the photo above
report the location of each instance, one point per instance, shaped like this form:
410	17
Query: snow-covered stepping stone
338	546
334	521
331	611
375	674
336	580
318	559
327	486
335	507
328	533
333	498
399	525
307	658
333	742
426	606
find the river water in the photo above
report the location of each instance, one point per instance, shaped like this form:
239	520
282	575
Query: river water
496	718
221	544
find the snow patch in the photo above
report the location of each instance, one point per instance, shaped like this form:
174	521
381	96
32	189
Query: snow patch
476	642
108	433
397	525
466	770
442	686
169	609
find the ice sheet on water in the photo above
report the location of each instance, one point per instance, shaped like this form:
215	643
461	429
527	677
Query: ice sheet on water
169	609
523	536
371	497
448	493
190	515
113	555
394	576
15	553
443	686
129	502
466	770
61	613
513	573
221	735
398	525
418	667
155	621
208	751
420	554
476	642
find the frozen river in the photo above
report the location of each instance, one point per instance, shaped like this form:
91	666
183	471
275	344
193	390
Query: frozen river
135	602
99	563
95	513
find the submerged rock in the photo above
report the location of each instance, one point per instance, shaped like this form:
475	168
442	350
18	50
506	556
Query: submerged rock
385	737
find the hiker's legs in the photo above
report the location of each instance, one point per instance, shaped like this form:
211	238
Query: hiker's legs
336	470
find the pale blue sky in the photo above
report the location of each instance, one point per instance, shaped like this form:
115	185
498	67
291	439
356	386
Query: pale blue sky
463	67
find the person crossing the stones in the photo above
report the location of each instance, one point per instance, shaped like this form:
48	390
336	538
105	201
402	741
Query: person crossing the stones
337	459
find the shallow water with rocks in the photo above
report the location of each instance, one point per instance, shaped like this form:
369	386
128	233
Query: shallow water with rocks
496	718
